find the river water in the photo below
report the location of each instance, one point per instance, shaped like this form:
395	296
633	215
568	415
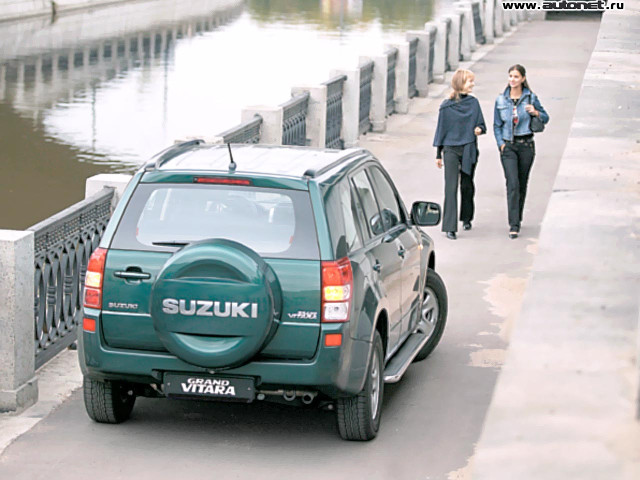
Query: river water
101	91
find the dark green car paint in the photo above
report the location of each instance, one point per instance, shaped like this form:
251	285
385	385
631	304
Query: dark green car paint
126	344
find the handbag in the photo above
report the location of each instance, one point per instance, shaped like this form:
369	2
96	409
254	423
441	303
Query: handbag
536	125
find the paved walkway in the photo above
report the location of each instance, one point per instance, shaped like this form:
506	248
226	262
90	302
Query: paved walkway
566	404
434	417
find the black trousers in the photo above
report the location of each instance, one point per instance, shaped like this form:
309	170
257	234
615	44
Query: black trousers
517	160
452	159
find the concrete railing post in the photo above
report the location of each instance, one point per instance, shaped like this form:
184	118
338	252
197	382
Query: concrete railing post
498	13
422	61
465	40
468	30
271	128
454	41
378	113
439	29
401	94
481	11
18	382
470	25
350	106
536	15
118	181
488	21
506	20
316	114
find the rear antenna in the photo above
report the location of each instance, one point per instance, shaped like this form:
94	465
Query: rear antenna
232	165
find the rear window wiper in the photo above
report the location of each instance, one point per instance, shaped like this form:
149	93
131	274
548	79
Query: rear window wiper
170	244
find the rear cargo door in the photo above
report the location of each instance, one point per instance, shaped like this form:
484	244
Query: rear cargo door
162	221
126	318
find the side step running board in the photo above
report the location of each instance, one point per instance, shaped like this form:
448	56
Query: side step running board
403	357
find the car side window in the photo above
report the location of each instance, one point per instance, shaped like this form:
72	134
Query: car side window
358	215
367	203
352	235
389	207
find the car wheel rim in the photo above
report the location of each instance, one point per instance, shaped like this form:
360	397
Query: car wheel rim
375	384
430	312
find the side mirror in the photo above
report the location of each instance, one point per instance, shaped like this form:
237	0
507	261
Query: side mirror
425	214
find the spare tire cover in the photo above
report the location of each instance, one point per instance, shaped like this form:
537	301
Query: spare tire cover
215	303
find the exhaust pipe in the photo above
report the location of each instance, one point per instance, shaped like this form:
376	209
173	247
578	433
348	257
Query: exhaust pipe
308	397
289	395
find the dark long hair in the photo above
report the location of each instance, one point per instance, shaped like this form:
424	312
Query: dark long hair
522	72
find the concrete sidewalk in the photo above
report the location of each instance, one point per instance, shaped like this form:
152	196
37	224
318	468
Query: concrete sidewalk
57	379
566	403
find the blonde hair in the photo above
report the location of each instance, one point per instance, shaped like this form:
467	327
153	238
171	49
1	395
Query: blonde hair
458	81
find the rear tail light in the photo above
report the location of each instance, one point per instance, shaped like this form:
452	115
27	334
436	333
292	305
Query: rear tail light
337	286
93	279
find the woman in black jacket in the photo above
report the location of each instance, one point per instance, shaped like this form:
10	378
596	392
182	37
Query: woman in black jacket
460	121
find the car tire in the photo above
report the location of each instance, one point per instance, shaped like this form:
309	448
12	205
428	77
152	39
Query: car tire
359	416
108	401
433	313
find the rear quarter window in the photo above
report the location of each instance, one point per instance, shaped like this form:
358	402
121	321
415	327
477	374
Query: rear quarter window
276	223
341	216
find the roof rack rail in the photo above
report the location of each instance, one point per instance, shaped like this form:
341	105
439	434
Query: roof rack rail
168	153
316	171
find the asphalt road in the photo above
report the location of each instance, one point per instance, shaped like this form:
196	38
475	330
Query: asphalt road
433	417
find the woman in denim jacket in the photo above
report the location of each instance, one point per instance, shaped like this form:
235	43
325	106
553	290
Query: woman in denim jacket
512	129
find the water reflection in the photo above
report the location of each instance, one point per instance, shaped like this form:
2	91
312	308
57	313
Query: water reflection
333	14
103	90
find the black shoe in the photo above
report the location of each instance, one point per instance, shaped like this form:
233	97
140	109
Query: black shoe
466	225
451	235
513	234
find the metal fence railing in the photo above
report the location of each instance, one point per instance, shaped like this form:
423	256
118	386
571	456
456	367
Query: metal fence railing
366	78
392	60
334	111
477	23
413	50
63	245
447	60
247	132
432	52
460	37
294	120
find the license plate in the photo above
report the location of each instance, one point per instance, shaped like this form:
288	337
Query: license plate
213	387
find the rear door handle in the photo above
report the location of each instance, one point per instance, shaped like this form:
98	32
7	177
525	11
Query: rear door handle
132	275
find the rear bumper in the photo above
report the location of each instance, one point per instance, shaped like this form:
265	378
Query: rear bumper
333	370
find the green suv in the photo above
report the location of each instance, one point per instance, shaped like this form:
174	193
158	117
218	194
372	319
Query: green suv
251	272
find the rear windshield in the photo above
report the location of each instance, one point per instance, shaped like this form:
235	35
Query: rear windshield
276	223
